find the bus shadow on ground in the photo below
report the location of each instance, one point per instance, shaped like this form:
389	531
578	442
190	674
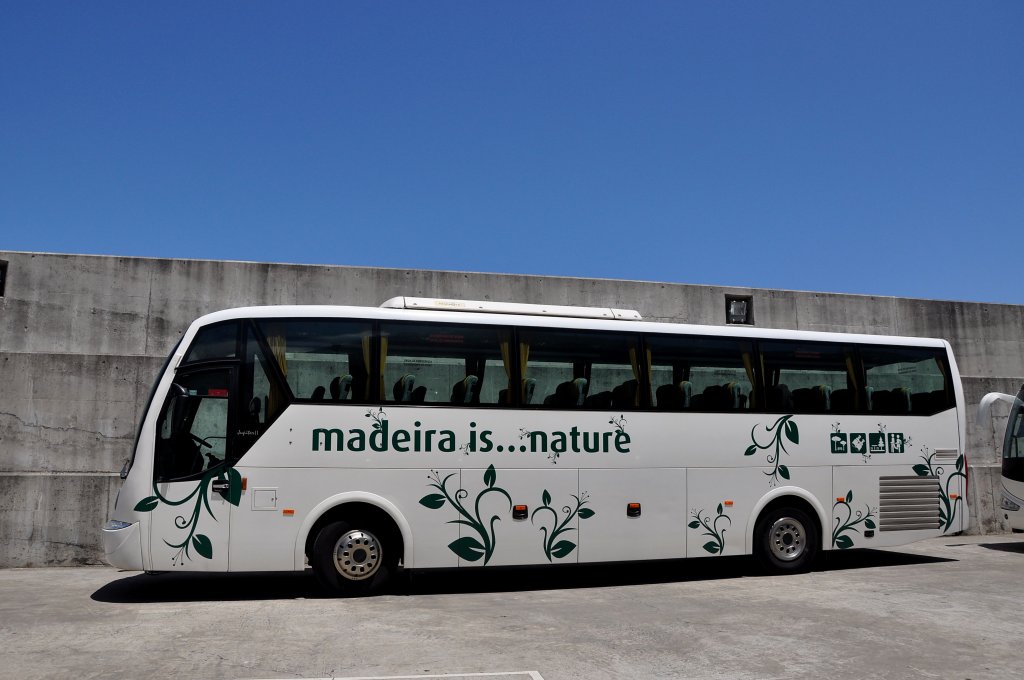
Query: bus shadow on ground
1014	547
202	587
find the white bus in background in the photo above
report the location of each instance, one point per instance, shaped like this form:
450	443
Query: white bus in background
443	433
1012	502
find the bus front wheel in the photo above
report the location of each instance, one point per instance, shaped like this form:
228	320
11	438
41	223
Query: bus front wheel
785	540
351	559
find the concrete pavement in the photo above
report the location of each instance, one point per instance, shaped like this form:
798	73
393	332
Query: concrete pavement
944	608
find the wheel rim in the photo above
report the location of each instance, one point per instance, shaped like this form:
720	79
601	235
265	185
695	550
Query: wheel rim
787	539
357	555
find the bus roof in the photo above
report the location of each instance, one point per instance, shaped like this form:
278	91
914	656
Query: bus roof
391	313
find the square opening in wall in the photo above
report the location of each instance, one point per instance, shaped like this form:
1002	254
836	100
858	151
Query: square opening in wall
739	309
3	276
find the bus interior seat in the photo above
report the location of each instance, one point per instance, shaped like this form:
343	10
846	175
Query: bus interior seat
869	398
737	395
318	393
466	391
812	399
254	412
568	394
599	400
529	385
779	398
404	387
927	402
419	395
895	401
841	401
341	387
674	397
625	395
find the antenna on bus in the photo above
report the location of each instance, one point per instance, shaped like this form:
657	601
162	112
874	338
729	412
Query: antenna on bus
434	304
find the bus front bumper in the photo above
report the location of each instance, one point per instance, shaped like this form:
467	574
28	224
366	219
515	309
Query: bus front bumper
122	545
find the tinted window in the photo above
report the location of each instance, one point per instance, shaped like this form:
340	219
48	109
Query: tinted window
444	364
218	341
579	369
192	433
701	374
906	380
809	377
322	360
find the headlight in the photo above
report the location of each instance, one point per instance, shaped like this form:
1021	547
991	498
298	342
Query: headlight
114	525
1007	504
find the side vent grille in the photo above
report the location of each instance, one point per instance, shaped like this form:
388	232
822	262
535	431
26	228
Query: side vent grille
909	503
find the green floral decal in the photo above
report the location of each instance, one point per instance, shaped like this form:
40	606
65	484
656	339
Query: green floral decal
783	426
716	546
201	494
564	547
468	547
842	526
948	510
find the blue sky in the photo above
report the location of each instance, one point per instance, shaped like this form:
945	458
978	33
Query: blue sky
868	147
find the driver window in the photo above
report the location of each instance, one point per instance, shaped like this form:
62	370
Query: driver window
193	426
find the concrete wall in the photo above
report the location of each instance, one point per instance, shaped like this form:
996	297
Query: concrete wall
82	337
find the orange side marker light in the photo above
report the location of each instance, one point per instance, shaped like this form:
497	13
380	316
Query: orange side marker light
288	512
727	504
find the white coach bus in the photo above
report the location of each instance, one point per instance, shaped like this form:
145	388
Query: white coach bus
443	433
1012	502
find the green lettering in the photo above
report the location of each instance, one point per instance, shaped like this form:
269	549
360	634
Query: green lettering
447	443
358	440
558	442
399	440
379	437
337	435
622	442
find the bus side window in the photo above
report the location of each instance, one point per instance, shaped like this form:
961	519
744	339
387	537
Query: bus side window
817	377
694	373
907	380
581	369
444	364
311	354
192	433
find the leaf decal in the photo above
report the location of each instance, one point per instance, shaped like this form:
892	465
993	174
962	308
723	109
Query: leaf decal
792	432
545	497
203	546
490	476
694	524
869	524
433	501
783	472
147	504
751	450
586	513
468	548
844	542
563	548
921	470
960	463
234	487
719	508
849	496
711	547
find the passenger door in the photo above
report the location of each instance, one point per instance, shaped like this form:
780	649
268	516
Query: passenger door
193	478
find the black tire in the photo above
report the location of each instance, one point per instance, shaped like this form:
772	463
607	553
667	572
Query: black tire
352	558
786	540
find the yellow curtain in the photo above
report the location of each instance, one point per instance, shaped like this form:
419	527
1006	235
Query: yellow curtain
278	346
748	366
524	356
853	380
383	363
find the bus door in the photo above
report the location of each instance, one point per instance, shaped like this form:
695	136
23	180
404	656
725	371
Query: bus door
189	509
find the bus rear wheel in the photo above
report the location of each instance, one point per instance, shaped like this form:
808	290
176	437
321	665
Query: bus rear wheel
350	558
785	540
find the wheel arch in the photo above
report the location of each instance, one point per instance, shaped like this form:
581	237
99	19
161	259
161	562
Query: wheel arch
787	495
346	505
